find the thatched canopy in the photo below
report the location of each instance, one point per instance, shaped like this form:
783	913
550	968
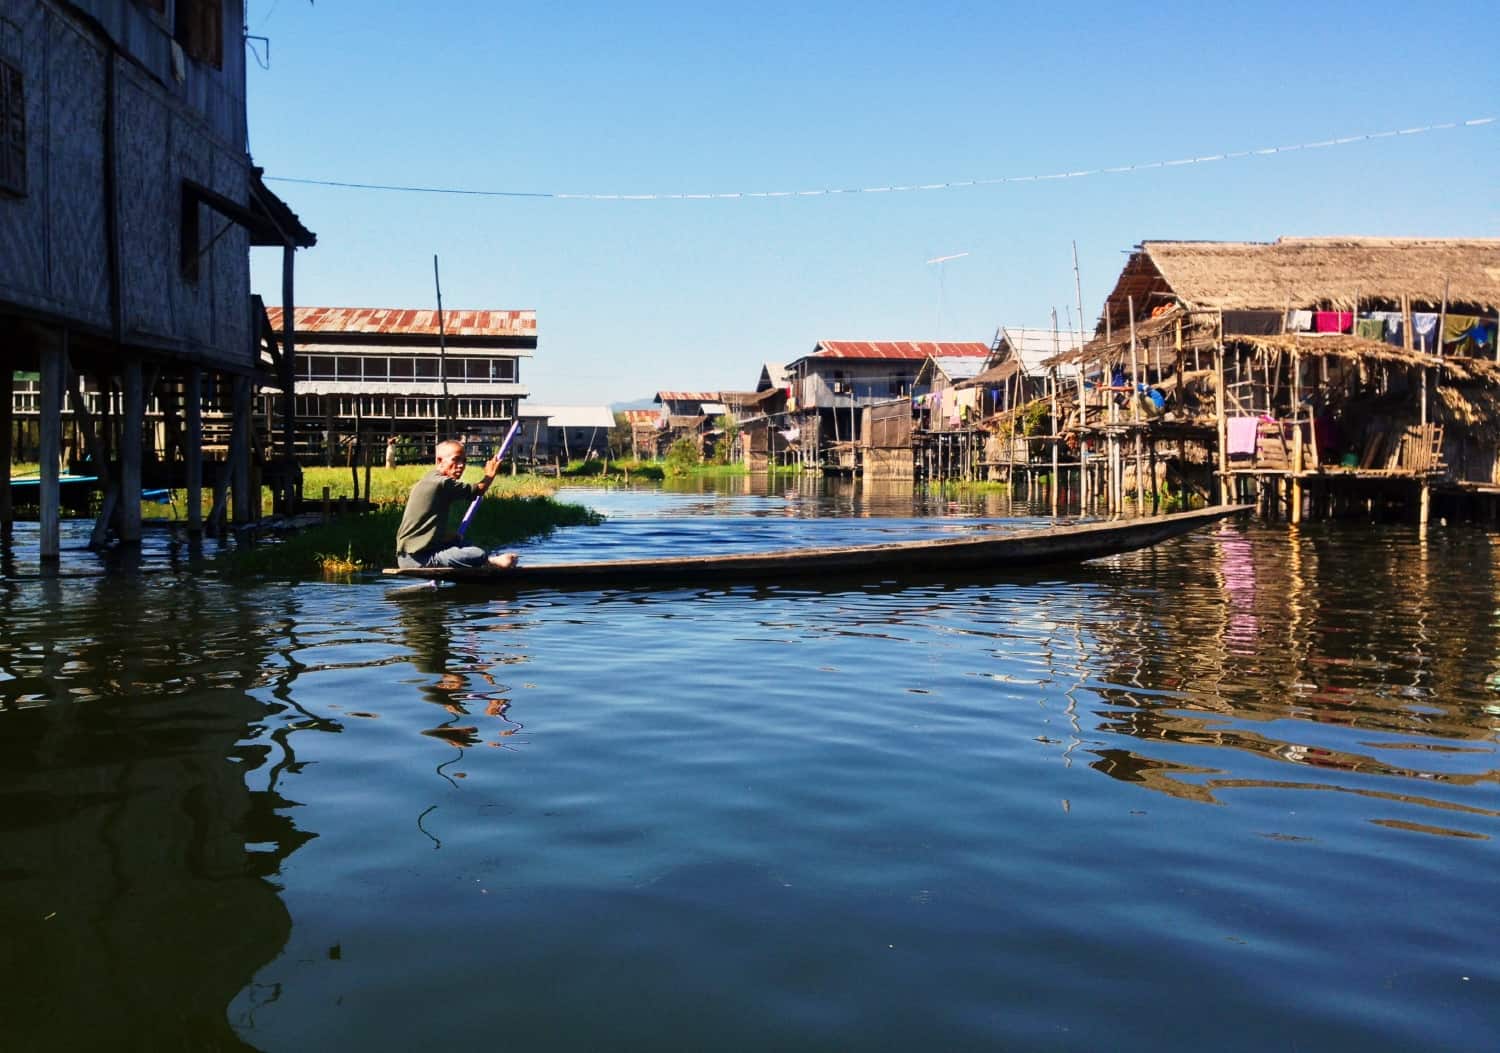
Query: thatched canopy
1308	273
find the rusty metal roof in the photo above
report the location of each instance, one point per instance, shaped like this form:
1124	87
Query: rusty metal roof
912	350
686	396
396	321
642	416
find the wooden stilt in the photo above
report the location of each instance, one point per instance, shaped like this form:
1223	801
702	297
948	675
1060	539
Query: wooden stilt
246	506
7	395
54	356
1296	480
1426	507
192	447
132	422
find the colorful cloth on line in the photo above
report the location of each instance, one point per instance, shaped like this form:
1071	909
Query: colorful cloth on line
1253	323
1299	321
1424	332
1242	435
1332	321
1395	327
1370	329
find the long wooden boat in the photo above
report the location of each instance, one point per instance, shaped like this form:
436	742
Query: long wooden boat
981	551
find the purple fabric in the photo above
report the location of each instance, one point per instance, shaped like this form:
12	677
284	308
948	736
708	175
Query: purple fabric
1242	435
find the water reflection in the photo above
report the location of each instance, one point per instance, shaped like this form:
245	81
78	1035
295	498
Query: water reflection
135	891
459	679
1344	655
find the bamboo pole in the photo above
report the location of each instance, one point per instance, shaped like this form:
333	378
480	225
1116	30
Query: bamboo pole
1223	424
1135	412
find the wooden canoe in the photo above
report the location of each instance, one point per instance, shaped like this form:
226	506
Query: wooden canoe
981	551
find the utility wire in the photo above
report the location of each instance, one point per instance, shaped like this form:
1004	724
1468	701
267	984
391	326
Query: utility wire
952	185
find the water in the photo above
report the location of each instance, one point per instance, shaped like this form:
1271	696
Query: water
1235	791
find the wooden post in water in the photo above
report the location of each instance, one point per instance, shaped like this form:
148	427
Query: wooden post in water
1055	432
7	394
132	417
193	451
1222	423
1296	480
1135	411
54	355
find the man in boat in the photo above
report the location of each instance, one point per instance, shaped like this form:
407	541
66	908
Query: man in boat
423	539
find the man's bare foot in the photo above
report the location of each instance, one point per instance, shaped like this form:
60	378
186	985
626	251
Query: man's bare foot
504	560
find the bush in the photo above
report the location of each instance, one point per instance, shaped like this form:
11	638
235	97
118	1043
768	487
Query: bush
681	458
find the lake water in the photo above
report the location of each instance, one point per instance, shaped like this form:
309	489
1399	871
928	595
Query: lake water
1238	791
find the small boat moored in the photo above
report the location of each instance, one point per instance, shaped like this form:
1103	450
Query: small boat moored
1022	548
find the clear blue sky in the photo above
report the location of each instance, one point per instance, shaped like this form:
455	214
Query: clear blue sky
636	296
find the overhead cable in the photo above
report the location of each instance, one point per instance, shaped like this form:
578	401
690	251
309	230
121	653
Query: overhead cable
1321	144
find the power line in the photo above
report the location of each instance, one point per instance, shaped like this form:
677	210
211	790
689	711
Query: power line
951	185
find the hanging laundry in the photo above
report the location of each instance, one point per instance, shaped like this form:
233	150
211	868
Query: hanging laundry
1395	333
1242	435
1370	329
1299	321
1456	333
790	434
1424	332
1253	323
1332	321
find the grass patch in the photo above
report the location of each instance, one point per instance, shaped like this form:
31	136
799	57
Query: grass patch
969	486
613	471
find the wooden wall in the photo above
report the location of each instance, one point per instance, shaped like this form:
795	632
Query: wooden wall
54	241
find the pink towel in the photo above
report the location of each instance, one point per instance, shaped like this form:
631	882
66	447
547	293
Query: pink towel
1242	434
1333	321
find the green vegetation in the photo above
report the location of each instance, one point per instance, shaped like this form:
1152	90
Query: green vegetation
1033	416
969	486
726	448
681	458
612	471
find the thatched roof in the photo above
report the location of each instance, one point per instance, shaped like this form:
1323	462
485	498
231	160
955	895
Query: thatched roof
1308	273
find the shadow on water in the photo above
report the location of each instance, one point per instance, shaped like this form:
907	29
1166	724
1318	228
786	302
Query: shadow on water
136	860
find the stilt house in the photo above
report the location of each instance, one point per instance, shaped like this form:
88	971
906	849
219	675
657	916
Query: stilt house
128	205
1312	373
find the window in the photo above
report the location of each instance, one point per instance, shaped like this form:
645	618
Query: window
348	368
427	368
478	369
401	369
319	367
12	126
505	369
200	30
375	369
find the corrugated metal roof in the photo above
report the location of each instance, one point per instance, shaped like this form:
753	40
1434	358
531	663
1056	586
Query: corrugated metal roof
958	368
687	396
1035	346
642	416
897	349
396	321
572	416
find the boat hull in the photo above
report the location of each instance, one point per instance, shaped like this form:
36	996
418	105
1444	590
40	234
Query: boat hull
1063	544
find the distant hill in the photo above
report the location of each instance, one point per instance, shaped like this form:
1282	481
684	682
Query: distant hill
642	403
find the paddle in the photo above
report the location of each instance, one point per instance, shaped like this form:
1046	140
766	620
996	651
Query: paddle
463	524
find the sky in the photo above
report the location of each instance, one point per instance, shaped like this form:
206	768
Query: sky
636	296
